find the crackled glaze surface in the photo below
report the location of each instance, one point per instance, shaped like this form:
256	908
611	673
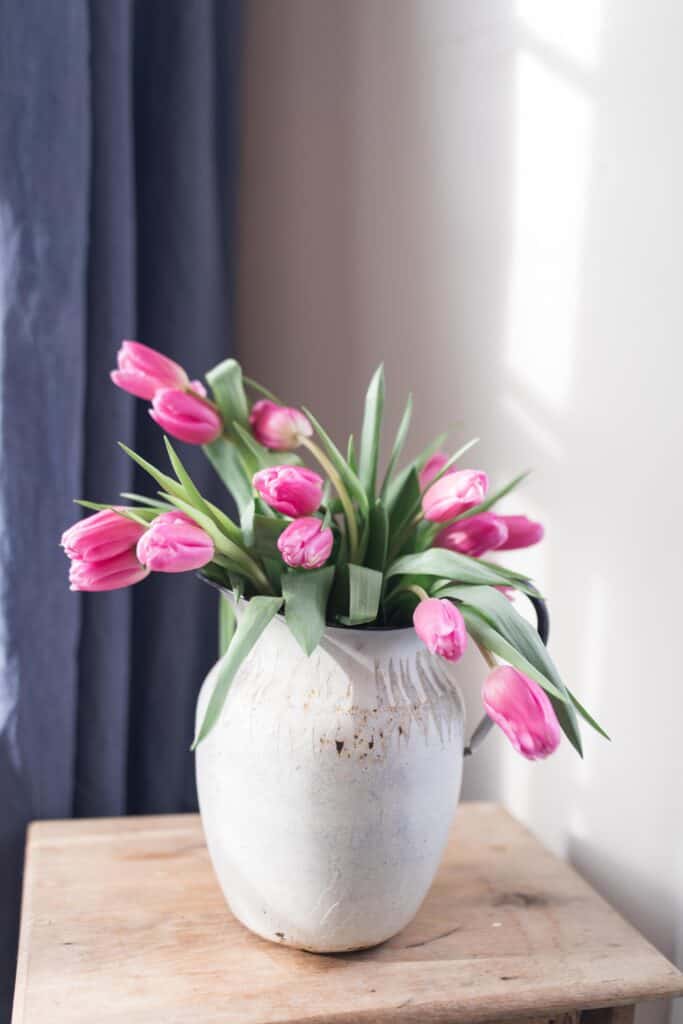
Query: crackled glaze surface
328	786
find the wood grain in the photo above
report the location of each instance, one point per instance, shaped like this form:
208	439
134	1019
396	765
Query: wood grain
123	921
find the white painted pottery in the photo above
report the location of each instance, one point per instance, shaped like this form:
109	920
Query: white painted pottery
329	784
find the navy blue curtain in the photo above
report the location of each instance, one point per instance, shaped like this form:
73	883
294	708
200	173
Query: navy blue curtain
118	142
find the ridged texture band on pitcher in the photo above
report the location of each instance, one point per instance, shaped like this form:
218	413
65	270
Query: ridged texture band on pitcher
329	784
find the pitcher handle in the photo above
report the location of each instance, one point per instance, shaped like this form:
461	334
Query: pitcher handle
543	627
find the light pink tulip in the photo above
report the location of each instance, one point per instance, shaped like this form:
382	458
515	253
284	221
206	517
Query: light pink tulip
441	627
474	536
304	544
522	532
101	536
123	570
278	427
143	371
174	543
454	493
432	467
293	490
523	711
186	416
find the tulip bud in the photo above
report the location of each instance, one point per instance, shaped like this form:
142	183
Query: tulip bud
441	627
454	493
123	570
474	536
305	544
432	468
278	427
174	543
522	532
293	490
186	416
142	371
523	711
101	536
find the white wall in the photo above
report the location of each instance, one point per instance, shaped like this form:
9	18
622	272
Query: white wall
488	196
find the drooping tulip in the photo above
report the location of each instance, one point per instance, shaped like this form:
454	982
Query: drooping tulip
454	493
186	416
278	427
123	570
305	543
474	536
293	490
523	711
441	627
174	543
142	371
432	467
101	536
522	532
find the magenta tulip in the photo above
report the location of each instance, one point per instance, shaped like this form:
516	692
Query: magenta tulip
474	536
186	416
142	371
432	468
174	543
278	427
523	711
292	490
522	532
454	493
305	544
441	627
123	570
101	536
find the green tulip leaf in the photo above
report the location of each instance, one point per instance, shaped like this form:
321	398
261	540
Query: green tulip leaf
378	537
504	618
401	435
365	590
227	386
252	622
305	592
370	433
453	566
225	459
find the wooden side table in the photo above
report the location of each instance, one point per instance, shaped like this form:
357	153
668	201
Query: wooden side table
123	921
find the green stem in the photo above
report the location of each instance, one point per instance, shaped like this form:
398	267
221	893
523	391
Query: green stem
419	591
247	566
344	496
487	656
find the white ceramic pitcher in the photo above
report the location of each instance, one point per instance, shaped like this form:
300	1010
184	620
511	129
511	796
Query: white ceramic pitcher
328	786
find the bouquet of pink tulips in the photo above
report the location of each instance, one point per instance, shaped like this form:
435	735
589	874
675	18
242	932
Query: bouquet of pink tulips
331	545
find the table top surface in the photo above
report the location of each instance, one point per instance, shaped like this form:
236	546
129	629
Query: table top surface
123	920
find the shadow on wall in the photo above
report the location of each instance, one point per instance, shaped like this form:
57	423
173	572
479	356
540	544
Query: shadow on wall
487	197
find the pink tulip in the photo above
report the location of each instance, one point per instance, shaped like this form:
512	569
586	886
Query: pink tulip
143	371
441	627
304	544
123	570
174	543
474	536
523	711
186	416
522	532
432	467
292	490
101	536
454	493
278	427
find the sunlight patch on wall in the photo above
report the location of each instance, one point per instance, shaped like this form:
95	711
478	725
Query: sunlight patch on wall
572	28
554	129
551	171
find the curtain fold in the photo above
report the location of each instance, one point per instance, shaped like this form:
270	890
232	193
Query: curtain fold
118	142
